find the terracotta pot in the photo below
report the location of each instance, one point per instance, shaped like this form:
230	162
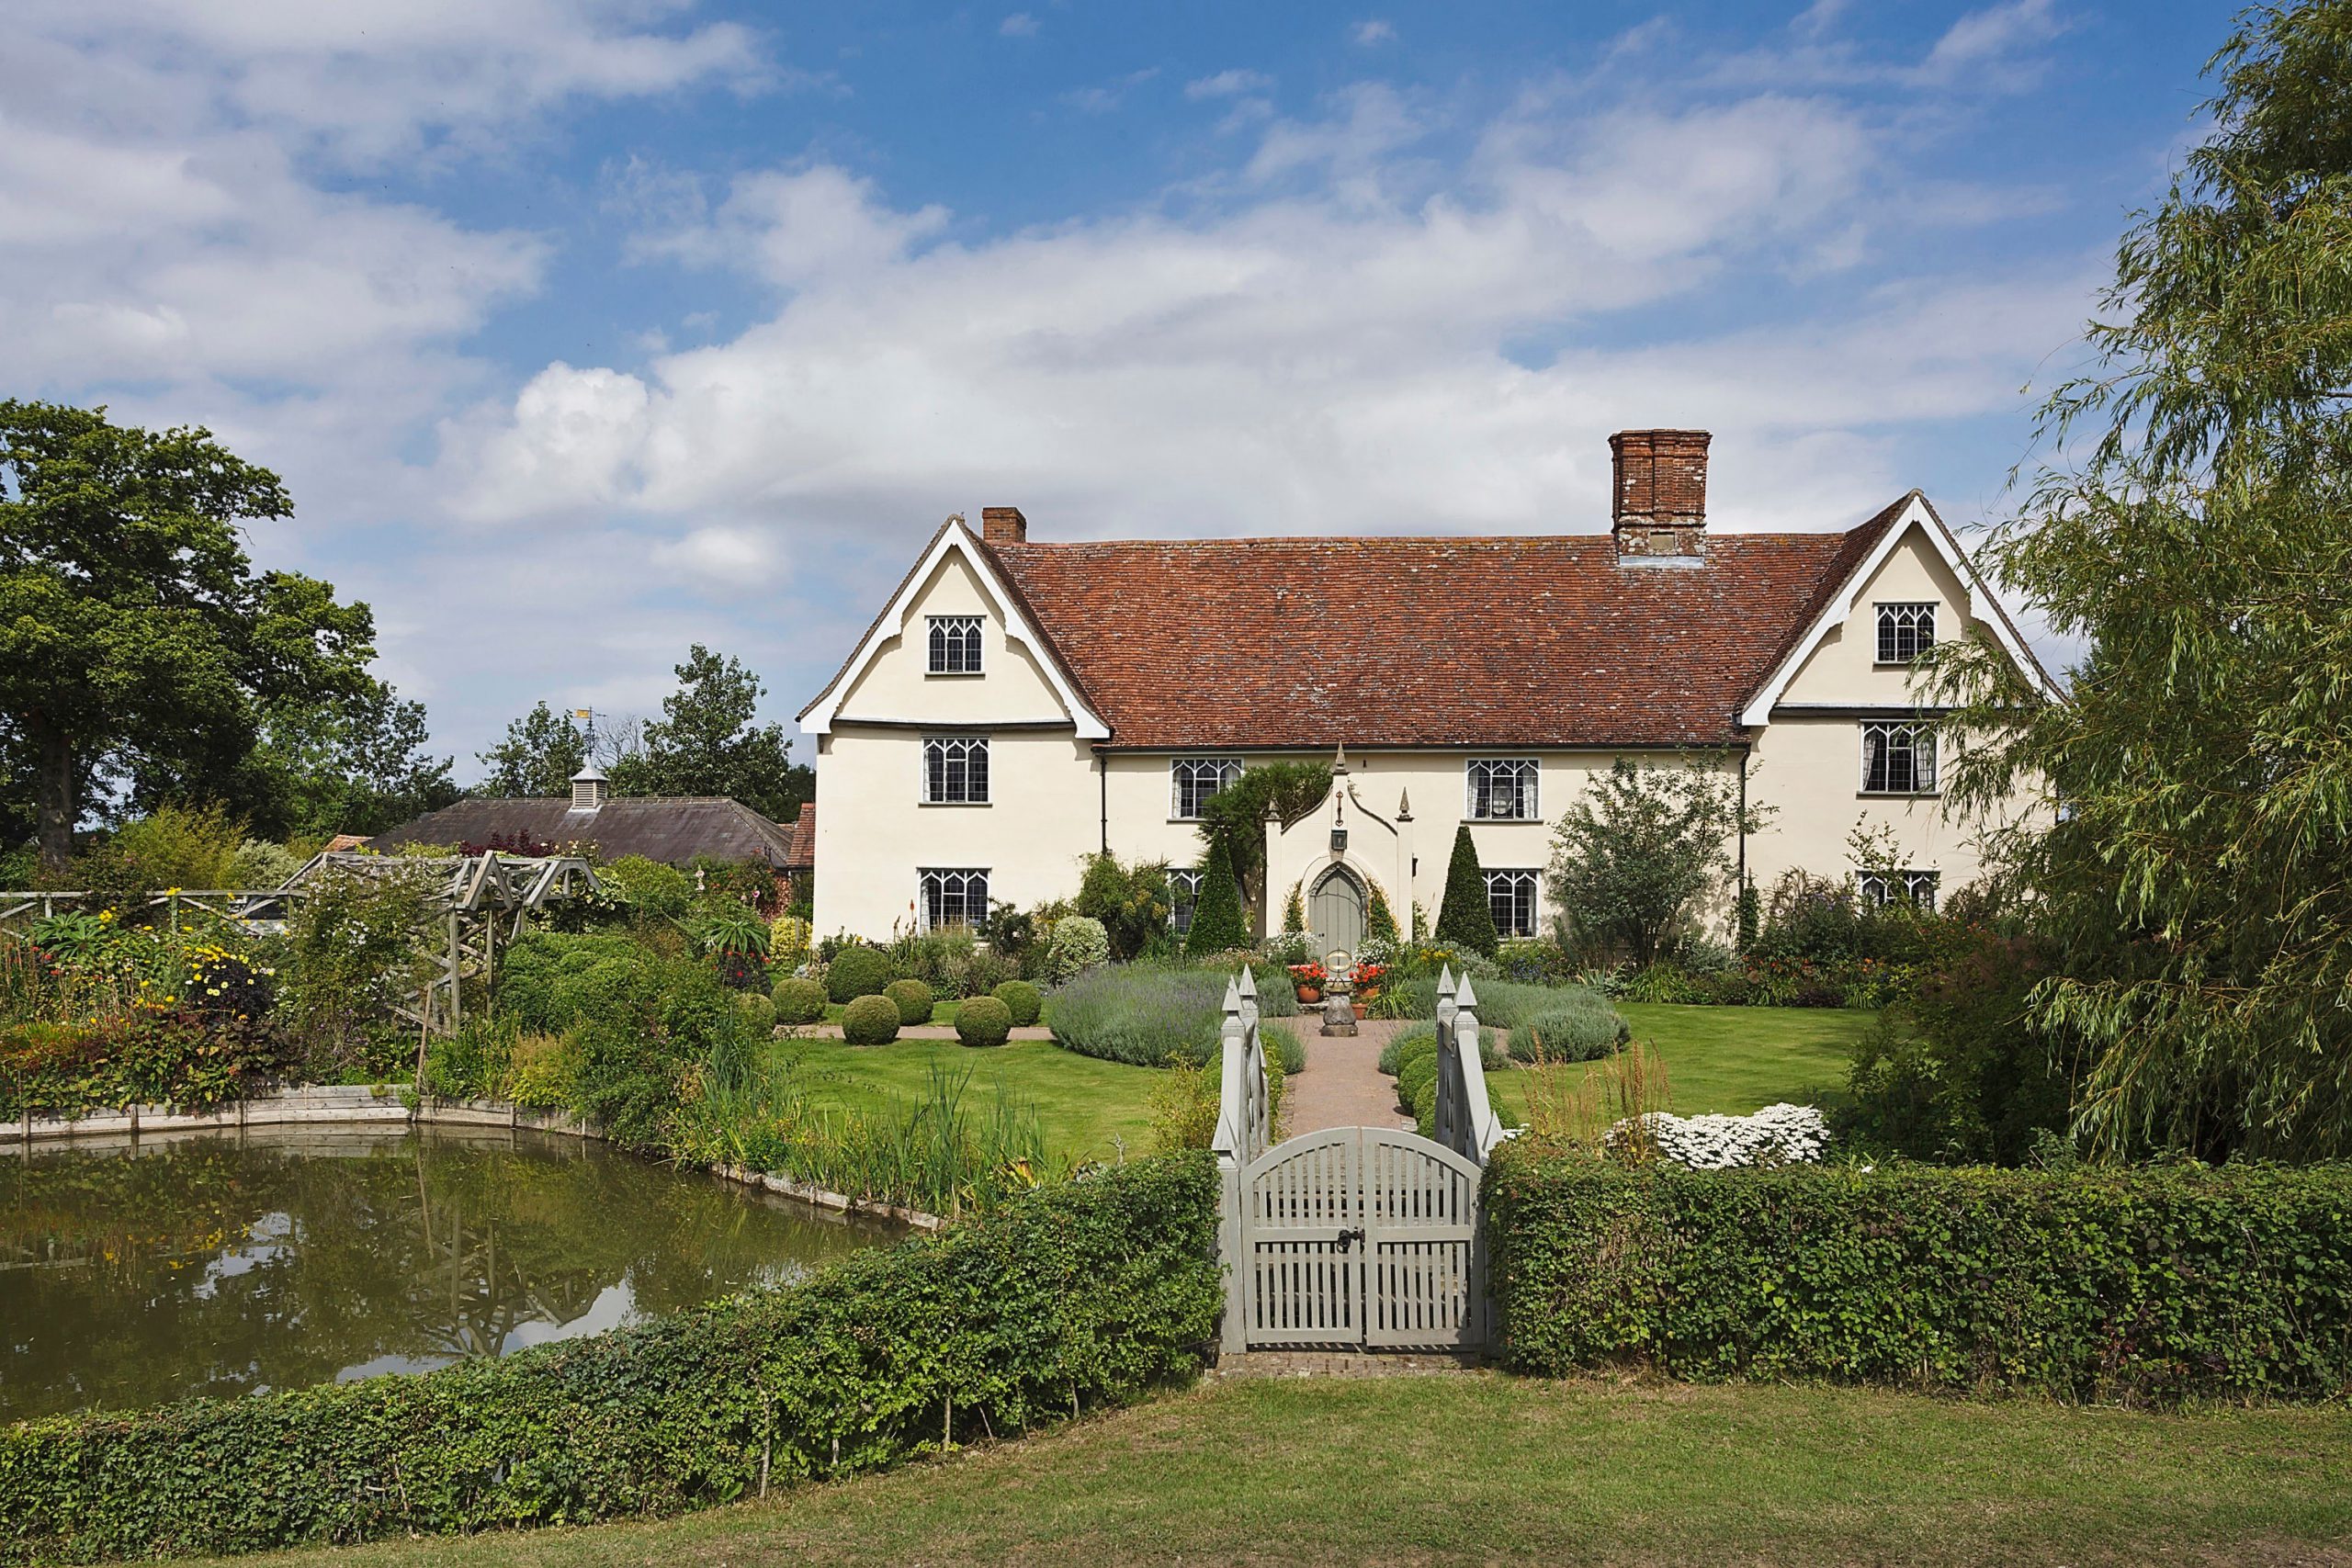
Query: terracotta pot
1368	994
1309	994
1359	1012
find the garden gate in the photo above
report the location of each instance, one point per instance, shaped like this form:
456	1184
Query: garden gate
1360	1238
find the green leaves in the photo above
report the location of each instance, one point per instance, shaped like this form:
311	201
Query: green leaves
2198	538
2162	1284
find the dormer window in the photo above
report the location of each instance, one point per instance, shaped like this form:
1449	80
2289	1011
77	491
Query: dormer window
1905	632
954	645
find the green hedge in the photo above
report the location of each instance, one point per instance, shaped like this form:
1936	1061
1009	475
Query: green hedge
1083	1293
2144	1284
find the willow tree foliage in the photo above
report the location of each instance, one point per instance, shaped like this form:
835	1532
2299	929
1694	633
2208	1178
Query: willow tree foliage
2193	527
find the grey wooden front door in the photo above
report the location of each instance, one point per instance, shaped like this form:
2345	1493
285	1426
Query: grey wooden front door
1336	911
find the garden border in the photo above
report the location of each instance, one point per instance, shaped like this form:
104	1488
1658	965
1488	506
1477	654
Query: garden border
363	1105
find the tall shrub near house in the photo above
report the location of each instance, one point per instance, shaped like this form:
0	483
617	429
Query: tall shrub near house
1465	918
1132	901
1636	850
1217	926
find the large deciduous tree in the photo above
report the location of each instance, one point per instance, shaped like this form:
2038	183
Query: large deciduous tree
541	752
708	743
2193	527
135	634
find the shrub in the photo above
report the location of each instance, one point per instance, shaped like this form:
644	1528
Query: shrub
1217	926
983	1020
545	1071
914	999
1079	944
788	941
650	889
759	1013
1145	1017
1415	1073
798	1000
856	972
1132	903
1083	1294
870	1020
1501	1003
1023	1000
1283	1047
1424	1036
1584	1031
2148	1283
1465	918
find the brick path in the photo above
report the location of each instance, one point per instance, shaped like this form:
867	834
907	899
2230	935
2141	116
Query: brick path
1343	1086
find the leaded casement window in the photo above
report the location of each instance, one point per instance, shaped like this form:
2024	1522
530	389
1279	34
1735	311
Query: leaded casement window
1880	888
954	645
1905	632
1184	893
1898	759
954	898
956	770
1192	781
1501	790
1512	896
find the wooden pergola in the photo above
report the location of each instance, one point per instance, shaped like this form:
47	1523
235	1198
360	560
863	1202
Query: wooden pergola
470	899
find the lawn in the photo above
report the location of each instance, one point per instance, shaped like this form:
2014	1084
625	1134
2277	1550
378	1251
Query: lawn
1480	1468
1732	1059
1088	1107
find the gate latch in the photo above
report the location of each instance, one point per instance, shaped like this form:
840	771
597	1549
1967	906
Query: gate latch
1348	1238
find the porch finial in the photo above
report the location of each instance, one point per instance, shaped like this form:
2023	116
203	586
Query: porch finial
1339	759
1404	805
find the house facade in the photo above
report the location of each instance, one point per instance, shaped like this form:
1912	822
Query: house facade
1018	704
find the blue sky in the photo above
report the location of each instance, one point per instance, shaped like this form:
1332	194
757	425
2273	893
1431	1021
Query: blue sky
585	329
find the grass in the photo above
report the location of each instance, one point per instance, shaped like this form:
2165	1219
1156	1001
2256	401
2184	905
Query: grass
1732	1060
1085	1107
1485	1468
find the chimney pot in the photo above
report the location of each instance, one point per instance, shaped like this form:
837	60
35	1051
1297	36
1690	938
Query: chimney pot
1657	502
1003	525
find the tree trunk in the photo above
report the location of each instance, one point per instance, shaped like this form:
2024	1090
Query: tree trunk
53	803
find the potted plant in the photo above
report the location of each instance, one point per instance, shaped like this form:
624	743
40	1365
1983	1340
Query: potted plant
1366	986
1309	979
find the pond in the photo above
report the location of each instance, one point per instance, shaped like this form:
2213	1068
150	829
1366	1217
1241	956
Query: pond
136	1272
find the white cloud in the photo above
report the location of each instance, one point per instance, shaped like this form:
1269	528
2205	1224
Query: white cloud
1984	40
796	229
1333	357
1020	24
1228	83
727	562
1370	33
366	80
1108	96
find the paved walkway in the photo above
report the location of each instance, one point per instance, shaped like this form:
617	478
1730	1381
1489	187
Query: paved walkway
1343	1086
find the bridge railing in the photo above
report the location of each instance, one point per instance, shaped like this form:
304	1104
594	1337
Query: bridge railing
1466	1122
1244	1130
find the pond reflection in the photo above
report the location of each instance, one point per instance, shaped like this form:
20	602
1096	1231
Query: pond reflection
132	1273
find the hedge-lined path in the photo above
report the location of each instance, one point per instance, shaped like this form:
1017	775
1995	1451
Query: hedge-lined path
1343	1084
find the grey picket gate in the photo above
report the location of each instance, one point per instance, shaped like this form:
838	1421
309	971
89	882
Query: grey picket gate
1358	1238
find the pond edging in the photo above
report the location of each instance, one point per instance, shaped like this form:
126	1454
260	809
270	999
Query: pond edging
381	1105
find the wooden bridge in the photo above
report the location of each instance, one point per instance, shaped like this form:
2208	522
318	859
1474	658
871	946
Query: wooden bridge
1354	1237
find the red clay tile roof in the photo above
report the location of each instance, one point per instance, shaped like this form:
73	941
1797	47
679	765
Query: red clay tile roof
674	828
1513	641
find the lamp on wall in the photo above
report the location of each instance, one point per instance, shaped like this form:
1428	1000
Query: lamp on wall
1338	840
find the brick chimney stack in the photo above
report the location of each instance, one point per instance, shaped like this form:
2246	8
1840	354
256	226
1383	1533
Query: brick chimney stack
1658	496
1003	525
